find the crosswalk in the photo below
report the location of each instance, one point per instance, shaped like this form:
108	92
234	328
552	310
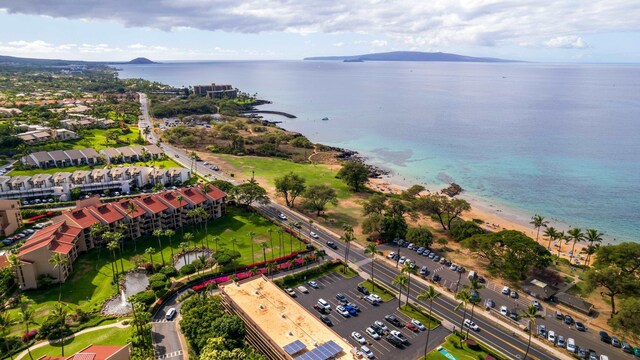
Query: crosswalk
170	355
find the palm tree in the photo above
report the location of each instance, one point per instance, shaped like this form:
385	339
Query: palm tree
158	233
347	237
552	234
372	249
270	269
400	280
428	295
464	296
251	236
205	215
184	246
132	208
95	230
233	244
188	237
6	322
474	286
117	237
409	269
270	231
113	246
150	251
561	237
28	318
575	235
291	230
592	236
58	261
60	312
264	246
538	221
280	232
180	199
216	238
530	314
169	234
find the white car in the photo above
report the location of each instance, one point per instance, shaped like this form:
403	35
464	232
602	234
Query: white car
418	324
313	235
400	336
359	338
372	333
471	325
367	352
402	259
282	216
342	311
391	255
504	311
571	345
551	336
376	297
506	290
381	325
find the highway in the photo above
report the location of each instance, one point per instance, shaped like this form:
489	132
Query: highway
496	330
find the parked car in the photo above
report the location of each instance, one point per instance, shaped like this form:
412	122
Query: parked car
362	289
580	326
392	255
615	342
313	235
542	331
394	341
536	304
490	303
436	258
626	347
359	338
371	332
411	327
340	297
582	353
313	284
367	352
354	307
561	341
559	315
375	297
568	320
424	271
370	299
400	336
604	337
514	295
504	311
325	319
342	311
402	259
381	325
435	277
351	310
320	309
551	336
291	292
303	289
393	320
324	303
505	290
453	267
418	324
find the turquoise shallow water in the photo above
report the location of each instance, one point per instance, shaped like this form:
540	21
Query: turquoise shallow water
559	140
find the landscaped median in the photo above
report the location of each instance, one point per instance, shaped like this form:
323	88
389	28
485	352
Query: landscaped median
382	291
477	350
416	312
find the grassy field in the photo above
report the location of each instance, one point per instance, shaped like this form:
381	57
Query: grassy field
162	164
89	285
109	336
452	345
95	138
270	168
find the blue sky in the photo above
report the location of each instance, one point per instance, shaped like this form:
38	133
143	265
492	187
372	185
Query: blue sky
534	30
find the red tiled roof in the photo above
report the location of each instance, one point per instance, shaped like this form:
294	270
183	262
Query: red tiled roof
106	212
4	262
214	192
81	217
83	356
170	197
100	352
123	206
194	195
152	203
61	247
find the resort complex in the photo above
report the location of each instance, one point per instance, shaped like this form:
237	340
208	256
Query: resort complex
72	232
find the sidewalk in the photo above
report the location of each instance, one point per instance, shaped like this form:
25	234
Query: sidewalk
44	343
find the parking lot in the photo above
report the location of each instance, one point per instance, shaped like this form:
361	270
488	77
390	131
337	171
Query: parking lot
332	284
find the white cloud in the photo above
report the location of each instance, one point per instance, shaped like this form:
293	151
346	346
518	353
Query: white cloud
379	43
434	23
567	42
339	44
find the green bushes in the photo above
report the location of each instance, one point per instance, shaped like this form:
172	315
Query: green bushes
187	269
146	297
294	279
168	271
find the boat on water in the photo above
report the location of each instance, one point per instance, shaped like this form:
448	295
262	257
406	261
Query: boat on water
325	118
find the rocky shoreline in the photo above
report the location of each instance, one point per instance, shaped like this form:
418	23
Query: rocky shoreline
375	172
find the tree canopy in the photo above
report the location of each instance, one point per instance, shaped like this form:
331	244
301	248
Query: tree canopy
443	207
290	186
420	235
318	196
385	217
512	253
461	230
248	193
354	174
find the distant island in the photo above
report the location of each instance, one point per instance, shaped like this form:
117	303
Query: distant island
8	60
409	56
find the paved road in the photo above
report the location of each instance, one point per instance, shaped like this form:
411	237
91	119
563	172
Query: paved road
166	342
492	333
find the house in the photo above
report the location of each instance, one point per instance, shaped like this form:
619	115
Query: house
35	253
155	151
92	156
64	134
111	155
106	123
10	218
138	221
161	216
77	157
177	175
60	158
108	215
158	176
83	219
41	181
575	302
128	155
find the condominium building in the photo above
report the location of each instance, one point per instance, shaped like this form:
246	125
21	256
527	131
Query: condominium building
217	91
60	184
10	218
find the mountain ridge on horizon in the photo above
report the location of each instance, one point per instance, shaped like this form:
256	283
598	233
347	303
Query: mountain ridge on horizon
410	56
60	62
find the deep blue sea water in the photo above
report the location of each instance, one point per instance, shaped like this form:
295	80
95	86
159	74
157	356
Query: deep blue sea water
558	140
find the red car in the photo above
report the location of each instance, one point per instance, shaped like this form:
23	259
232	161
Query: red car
412	327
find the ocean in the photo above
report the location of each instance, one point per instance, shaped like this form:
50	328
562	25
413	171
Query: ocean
558	140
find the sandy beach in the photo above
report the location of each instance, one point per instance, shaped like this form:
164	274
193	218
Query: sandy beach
495	218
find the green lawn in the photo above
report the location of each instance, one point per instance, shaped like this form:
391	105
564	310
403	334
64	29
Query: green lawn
95	138
414	313
162	164
31	172
270	168
452	345
380	291
90	283
110	336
